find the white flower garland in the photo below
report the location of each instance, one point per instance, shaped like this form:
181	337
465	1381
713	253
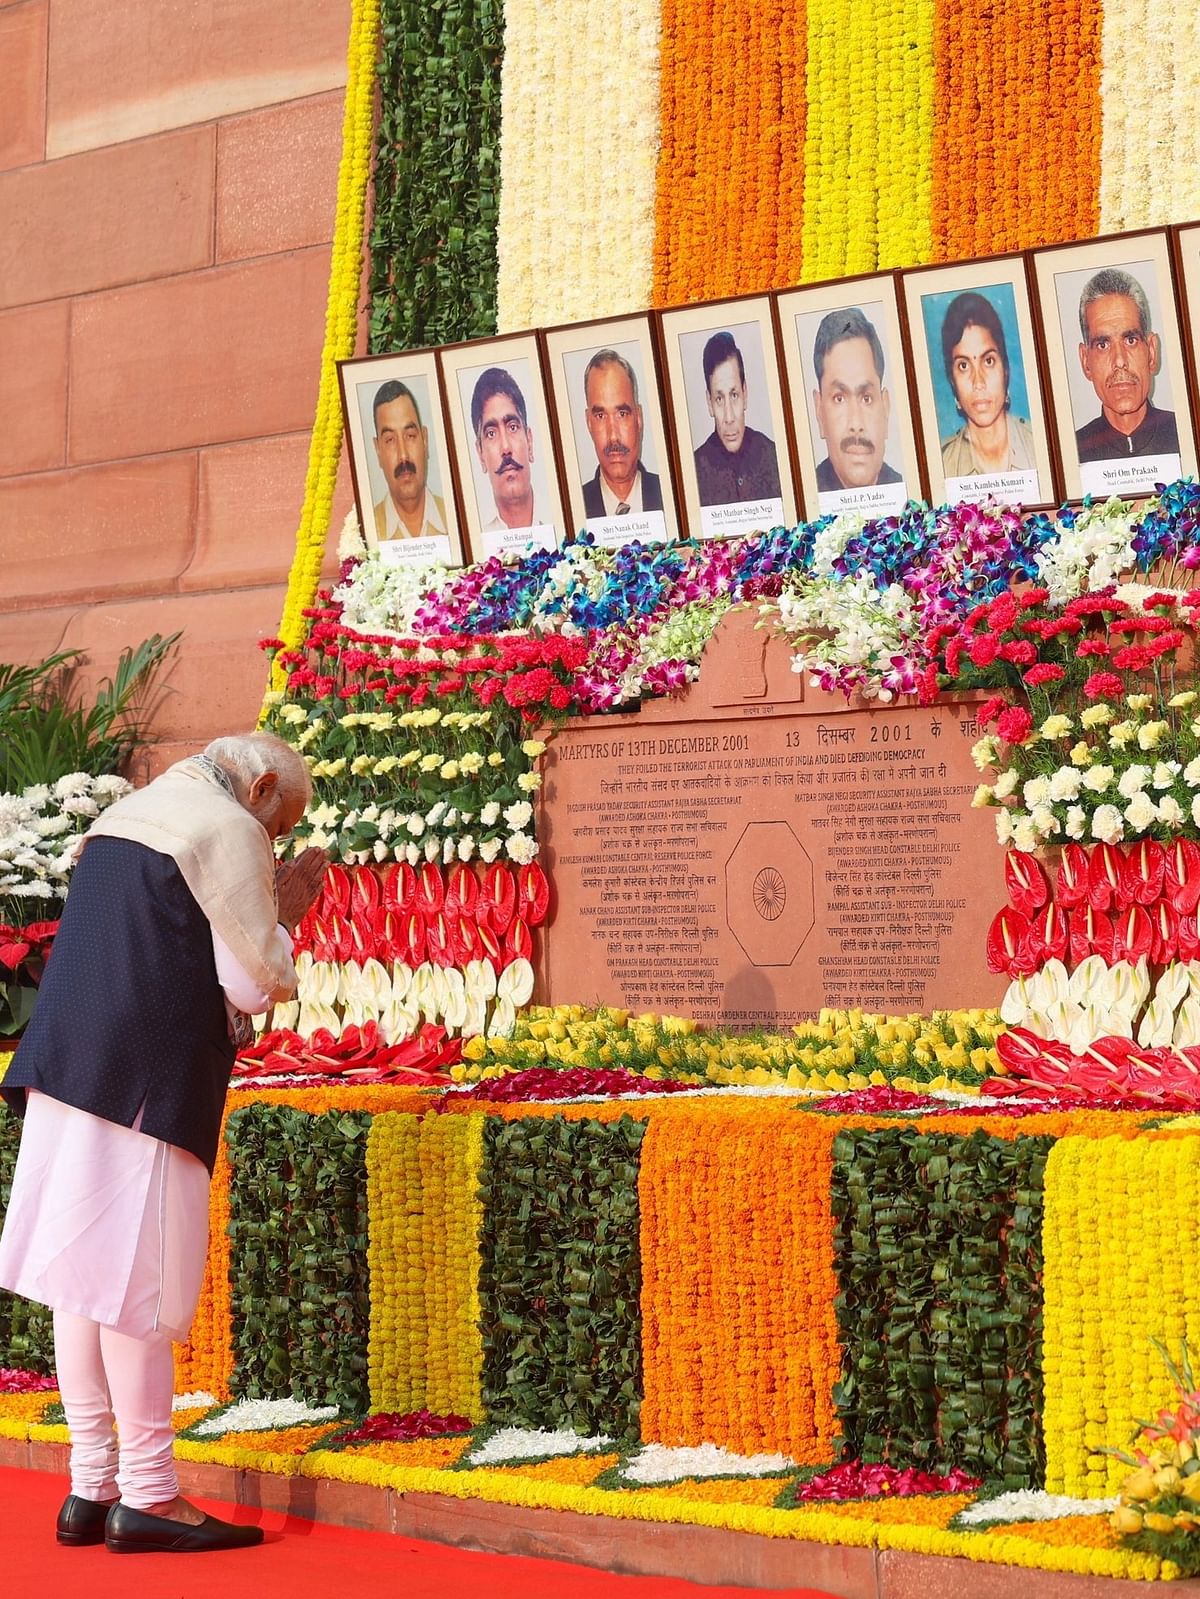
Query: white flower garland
655	1463
530	1443
263	1415
1030	1504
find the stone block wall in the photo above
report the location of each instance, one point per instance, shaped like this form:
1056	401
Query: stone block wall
168	175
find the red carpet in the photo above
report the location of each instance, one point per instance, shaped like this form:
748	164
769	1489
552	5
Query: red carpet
298	1559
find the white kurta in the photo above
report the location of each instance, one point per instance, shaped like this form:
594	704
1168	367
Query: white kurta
105	1221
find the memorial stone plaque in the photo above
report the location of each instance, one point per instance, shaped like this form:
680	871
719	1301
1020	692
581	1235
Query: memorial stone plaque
748	864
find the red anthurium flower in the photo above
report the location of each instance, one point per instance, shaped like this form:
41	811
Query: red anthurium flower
337	888
1091	934
389	927
1181	874
1188	936
1142	873
1133	934
1104	877
500	891
1071	883
464	885
437	940
467	944
518	941
1025	880
493	949
414	931
1049	932
533	893
431	891
341	939
1166	932
364	897
1007	942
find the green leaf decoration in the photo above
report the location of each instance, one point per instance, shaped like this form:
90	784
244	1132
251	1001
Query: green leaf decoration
26	1329
939	1260
437	173
560	1285
298	1258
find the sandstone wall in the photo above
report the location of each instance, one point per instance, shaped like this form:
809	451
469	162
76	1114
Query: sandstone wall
168	174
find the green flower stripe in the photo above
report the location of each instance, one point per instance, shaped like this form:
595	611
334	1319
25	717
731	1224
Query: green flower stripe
298	1261
939	1258
437	173
560	1285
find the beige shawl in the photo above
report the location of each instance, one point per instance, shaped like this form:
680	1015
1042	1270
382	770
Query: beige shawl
225	857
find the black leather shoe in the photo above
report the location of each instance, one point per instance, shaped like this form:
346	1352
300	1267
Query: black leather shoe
134	1532
81	1521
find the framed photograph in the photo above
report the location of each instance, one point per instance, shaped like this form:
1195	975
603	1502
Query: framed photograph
979	393
502	444
607	404
727	410
1115	361
847	392
399	460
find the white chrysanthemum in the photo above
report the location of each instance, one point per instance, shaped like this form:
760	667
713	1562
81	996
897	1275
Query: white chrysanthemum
1005	784
520	847
518	814
490	814
1034	791
1098	778
1141	813
488	850
73	785
1171	812
1076	823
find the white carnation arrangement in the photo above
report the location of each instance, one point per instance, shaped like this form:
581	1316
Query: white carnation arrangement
40	832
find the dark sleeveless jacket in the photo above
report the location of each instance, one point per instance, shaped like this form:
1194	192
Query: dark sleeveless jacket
129	1012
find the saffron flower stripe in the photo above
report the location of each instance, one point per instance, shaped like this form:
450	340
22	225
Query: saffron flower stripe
740	1343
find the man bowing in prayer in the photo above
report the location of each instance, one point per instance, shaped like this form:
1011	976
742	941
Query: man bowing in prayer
175	930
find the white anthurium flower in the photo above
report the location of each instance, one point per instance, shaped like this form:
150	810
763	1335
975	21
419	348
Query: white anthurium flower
1087	1027
474	1018
1061	1016
1116	1022
480	978
314	1016
1187	1024
455	1013
1119	990
1193	970
356	1012
504	1019
347	987
1088	979
407	1017
1173	985
440	990
376	984
326	980
516	983
304	965
1157	1025
423	992
1014	1007
456	983
1055	983
1039	1023
402	977
285	1014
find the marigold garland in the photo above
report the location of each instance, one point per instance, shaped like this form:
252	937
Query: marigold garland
740	1342
451	1161
399	1330
1016	140
341	322
1122	1267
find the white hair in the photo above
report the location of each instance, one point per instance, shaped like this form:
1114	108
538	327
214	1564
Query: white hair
246	756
